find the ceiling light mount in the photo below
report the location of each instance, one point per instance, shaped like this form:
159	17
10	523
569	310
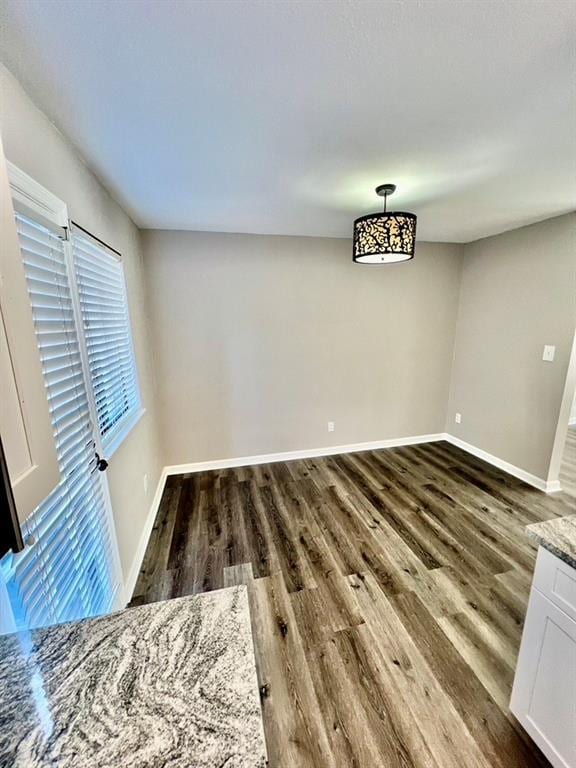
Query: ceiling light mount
384	238
386	189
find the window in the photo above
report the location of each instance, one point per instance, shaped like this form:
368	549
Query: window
107	337
70	567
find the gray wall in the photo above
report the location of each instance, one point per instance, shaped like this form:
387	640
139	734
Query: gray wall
33	144
518	293
259	341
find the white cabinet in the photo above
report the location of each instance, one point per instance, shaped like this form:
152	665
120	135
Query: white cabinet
544	692
25	423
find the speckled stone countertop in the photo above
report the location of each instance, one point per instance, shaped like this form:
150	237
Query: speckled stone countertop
558	536
167	684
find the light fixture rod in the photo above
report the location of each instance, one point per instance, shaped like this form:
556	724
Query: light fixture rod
384	190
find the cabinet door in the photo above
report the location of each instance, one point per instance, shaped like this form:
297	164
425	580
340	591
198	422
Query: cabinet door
544	692
25	422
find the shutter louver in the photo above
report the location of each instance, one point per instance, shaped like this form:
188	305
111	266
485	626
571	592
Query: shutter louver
68	570
106	325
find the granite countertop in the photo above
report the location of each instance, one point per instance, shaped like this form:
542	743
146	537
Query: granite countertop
558	536
167	684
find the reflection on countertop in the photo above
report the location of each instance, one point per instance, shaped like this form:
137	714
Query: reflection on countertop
171	683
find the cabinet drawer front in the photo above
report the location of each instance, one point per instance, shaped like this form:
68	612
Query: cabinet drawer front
557	581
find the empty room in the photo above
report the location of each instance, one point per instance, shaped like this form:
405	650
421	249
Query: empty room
288	384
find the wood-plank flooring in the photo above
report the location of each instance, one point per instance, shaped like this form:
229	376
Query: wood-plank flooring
387	589
568	469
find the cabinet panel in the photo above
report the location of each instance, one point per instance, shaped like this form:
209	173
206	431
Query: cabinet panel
19	459
544	692
25	422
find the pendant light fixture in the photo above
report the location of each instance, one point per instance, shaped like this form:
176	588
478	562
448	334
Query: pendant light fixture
384	238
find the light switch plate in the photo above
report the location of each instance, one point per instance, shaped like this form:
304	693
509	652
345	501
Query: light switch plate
548	354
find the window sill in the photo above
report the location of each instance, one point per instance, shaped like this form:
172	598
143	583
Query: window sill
113	441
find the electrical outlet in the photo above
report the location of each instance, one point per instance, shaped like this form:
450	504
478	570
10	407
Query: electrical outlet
458	418
146	484
331	426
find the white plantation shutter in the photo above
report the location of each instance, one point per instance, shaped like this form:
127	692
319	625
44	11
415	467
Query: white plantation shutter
69	570
108	338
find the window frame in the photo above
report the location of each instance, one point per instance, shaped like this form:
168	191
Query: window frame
40	201
32	206
45	207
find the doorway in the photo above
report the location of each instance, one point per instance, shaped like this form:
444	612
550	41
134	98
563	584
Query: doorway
568	465
562	474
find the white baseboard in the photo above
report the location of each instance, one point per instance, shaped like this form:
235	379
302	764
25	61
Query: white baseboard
308	453
126	593
511	469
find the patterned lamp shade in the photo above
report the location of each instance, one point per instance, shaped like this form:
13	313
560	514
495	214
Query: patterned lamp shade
384	238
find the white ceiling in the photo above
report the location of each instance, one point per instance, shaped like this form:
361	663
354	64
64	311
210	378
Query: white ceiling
281	116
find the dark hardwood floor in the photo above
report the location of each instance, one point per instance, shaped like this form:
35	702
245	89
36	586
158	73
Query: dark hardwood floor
387	589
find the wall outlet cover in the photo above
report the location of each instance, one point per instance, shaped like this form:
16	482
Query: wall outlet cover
549	352
458	418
